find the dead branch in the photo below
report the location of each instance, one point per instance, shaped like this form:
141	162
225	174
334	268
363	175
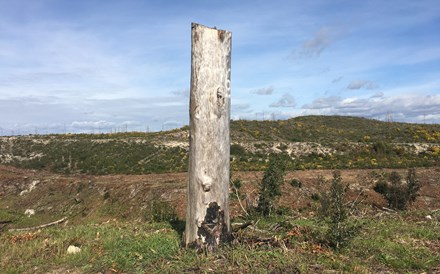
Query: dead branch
239	201
282	245
258	230
388	209
242	226
40	226
3	224
357	198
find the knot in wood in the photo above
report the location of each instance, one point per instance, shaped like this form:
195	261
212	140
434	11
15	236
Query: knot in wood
220	97
206	181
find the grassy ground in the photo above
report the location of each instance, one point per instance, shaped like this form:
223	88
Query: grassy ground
397	242
120	224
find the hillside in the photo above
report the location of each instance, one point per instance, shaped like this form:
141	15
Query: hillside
324	129
134	223
312	142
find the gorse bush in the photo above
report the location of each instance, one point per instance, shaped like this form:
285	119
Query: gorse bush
397	192
270	188
413	185
295	183
334	211
381	186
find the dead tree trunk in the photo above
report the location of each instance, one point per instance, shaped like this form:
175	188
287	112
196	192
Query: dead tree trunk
207	219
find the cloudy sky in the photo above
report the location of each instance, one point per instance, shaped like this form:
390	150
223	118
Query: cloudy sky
81	66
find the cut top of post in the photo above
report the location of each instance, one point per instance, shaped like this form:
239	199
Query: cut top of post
220	33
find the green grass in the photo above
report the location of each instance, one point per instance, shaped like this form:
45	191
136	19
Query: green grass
399	244
21	220
119	246
387	243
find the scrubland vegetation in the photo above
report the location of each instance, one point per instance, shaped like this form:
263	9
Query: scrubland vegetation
304	208
312	142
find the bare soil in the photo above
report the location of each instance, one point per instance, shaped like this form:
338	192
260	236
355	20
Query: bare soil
82	198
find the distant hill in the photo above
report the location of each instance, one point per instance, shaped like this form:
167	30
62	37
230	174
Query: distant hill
311	142
334	129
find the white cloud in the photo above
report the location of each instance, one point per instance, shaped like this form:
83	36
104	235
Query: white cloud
323	103
377	95
92	62
314	46
406	107
336	80
286	100
263	91
171	123
92	124
359	84
181	93
241	108
28	114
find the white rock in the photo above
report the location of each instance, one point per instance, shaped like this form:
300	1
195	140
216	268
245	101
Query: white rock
31	187
73	249
29	212
428	217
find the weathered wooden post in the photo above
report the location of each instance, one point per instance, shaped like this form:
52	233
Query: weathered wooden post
207	217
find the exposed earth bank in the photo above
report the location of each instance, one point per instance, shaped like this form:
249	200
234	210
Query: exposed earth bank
29	197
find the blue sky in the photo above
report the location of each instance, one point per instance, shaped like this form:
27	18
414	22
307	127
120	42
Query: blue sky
82	66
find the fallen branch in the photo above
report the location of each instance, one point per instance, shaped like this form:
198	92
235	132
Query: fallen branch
40	226
254	229
251	226
282	245
3	224
242	226
388	209
258	241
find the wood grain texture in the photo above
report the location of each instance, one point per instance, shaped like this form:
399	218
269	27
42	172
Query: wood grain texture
207	221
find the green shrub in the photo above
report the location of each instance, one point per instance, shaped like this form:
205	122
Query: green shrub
398	193
413	185
382	148
236	184
270	188
381	187
295	183
335	213
237	150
